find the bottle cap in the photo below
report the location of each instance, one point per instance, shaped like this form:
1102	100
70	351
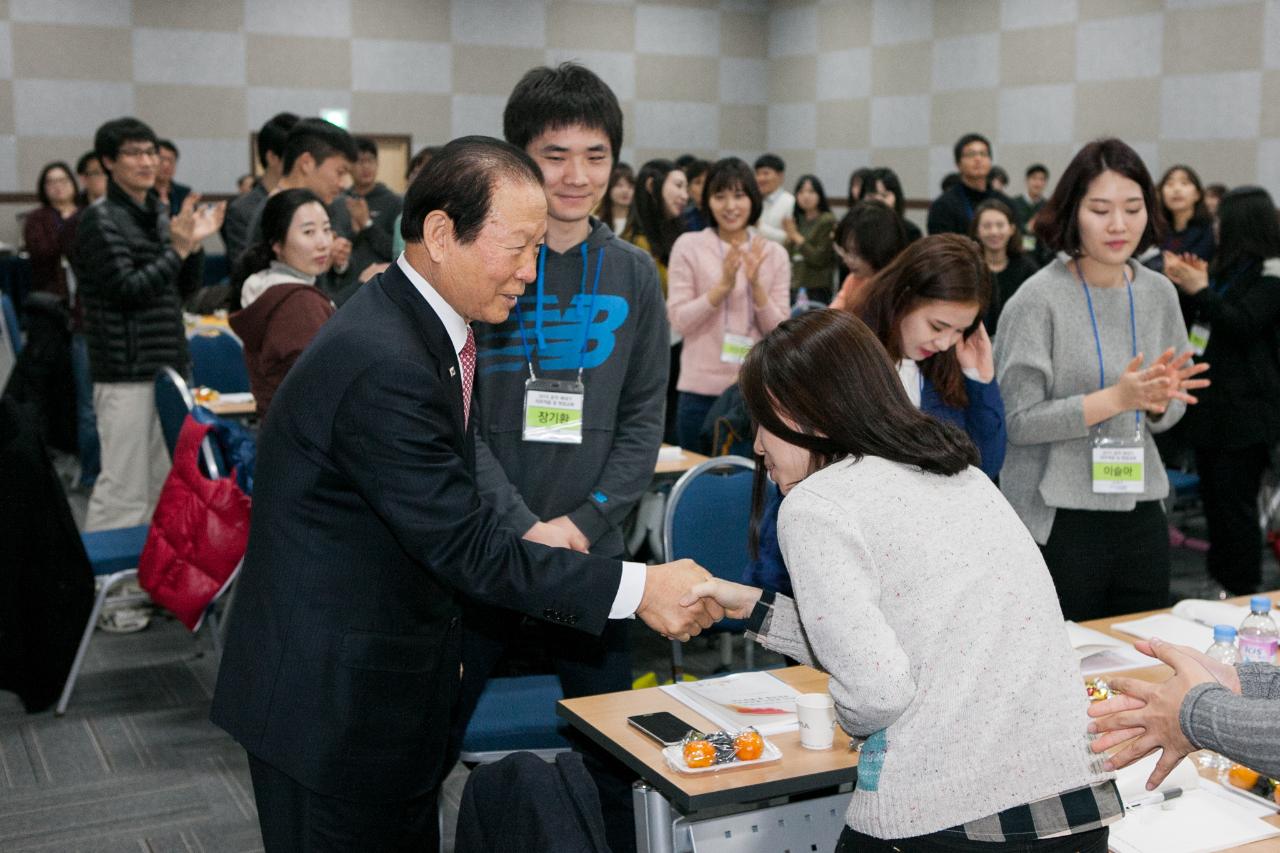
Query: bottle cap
1224	634
1260	604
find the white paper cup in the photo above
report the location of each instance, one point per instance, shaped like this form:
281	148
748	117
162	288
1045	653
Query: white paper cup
817	715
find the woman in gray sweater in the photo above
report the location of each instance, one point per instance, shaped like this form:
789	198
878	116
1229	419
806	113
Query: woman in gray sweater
1088	366
919	590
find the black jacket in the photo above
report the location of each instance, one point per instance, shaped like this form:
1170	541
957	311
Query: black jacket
341	665
1241	407
952	211
46	585
131	284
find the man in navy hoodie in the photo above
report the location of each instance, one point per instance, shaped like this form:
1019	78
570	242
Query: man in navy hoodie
572	390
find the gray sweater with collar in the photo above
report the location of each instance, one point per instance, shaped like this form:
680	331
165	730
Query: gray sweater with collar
1046	362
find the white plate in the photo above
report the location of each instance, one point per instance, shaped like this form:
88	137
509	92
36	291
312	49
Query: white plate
675	760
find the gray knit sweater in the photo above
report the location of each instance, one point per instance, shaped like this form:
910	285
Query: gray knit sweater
1244	728
930	606
1046	362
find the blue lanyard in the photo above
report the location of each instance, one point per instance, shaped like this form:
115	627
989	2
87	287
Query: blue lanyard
586	319
1097	339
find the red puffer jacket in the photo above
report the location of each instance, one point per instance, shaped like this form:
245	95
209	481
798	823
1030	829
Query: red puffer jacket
198	534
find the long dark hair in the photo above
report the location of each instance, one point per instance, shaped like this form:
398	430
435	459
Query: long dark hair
277	216
861	176
44	173
648	215
858	409
889	178
1199	213
824	206
941	267
1248	231
621	172
872	231
1058	224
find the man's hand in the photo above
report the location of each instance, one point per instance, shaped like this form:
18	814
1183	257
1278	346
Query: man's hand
738	600
550	535
340	254
1146	714
665	586
577	539
359	210
192	225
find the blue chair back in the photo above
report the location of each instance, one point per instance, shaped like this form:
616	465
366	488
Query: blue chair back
173	404
708	519
11	323
217	361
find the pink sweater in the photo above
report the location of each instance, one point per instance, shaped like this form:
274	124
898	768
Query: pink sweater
695	267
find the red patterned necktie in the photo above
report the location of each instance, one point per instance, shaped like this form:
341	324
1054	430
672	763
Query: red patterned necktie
467	357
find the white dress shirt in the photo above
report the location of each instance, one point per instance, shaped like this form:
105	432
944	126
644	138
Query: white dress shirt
779	206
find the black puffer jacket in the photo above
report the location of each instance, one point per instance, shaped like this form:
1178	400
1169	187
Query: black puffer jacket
132	284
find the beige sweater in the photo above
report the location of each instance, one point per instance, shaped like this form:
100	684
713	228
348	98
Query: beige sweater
927	601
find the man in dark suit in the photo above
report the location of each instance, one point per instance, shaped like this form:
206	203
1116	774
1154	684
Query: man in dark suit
341	666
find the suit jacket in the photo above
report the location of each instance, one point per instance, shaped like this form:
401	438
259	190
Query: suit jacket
341	664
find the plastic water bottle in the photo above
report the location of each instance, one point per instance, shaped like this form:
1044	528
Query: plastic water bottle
1258	633
1224	648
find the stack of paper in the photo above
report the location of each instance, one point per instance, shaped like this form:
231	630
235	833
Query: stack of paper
743	699
670	453
1100	653
1190	624
1205	818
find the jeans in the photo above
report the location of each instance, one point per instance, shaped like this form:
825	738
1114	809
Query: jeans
852	841
86	421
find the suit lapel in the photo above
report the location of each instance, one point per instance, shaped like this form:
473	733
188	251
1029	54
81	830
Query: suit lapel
401	291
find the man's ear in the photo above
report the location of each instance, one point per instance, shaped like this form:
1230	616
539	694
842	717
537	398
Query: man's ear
437	234
305	164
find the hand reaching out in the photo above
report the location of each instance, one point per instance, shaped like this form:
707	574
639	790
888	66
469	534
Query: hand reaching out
1189	272
661	607
738	600
1147	715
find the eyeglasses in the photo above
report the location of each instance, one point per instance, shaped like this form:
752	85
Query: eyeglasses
57	179
139	151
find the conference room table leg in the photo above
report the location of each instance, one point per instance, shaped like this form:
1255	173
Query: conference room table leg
653	820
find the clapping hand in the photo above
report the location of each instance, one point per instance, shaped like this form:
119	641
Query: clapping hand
1152	388
974	352
752	259
358	209
663	607
1189	272
340	254
1147	714
192	225
1179	372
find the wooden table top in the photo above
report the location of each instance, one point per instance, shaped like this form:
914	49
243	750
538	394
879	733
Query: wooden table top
1160	672
603	718
688	459
225	409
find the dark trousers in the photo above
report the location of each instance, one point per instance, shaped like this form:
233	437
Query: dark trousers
691	411
669	434
1229	484
1105	563
295	819
586	665
852	841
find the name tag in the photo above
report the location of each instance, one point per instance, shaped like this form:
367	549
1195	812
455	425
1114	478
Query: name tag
1118	470
735	348
1198	337
553	411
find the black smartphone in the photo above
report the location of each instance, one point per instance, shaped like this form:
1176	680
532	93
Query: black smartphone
666	728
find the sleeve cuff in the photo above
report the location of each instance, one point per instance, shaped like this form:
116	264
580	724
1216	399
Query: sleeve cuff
630	591
758	621
1187	712
590	520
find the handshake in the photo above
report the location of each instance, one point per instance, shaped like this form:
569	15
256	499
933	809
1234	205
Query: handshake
682	598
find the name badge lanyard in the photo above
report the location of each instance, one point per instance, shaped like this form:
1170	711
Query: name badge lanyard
1117	466
553	409
734	348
